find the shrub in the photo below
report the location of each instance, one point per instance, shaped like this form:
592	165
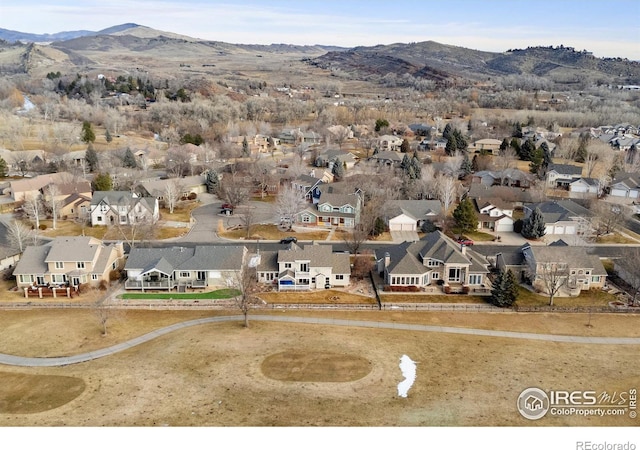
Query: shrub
192	196
104	284
83	288
42	226
115	275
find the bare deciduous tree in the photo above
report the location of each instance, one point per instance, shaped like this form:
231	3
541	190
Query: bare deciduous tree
234	190
289	203
245	281
33	208
172	194
627	269
53	203
19	235
553	277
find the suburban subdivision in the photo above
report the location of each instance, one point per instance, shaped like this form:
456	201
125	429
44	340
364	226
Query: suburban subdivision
196	233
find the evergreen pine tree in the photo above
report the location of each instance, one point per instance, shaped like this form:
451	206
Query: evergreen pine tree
245	147
527	150
91	158
448	129
461	141
87	132
107	136
102	182
129	160
466	168
404	165
465	216
504	290
533	226
3	168
416	166
338	170
452	145
405	147
212	181
504	145
537	162
517	130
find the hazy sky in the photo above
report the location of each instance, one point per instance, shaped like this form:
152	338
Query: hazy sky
607	28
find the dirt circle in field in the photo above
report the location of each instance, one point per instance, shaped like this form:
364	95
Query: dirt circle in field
315	367
27	394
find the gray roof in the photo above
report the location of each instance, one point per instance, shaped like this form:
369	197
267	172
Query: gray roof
416	209
572	256
317	255
508	193
408	257
201	257
338	199
73	248
565	169
391	156
559	210
32	261
268	262
6	249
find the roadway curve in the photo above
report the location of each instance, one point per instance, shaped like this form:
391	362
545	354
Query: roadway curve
67	360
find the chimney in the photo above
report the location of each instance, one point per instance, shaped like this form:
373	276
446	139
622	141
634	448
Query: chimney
387	260
463	249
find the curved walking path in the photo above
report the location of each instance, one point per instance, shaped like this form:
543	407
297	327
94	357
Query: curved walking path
83	357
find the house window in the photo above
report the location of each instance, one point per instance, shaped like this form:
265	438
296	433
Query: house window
313	280
123	219
184	274
59	265
339	277
306	219
80	265
432	263
94	276
435	276
287	265
26	278
454	274
304	267
595	279
475	279
98	218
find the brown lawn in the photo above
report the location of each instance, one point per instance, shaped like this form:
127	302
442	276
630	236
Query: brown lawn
328	296
287	374
271	232
181	213
594	297
427	298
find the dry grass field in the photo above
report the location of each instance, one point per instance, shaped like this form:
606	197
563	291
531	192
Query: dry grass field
271	232
283	374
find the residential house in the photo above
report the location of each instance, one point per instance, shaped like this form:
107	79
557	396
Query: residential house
410	215
585	187
296	136
562	217
309	186
389	143
388	158
19	162
68	261
434	260
157	188
494	215
75	207
517	196
304	268
575	269
332	210
122	208
23	187
626	185
333	156
507	177
183	267
422	129
561	175
491	146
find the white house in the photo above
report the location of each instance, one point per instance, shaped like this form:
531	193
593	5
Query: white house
122	208
561	175
409	215
589	186
494	215
389	143
626	187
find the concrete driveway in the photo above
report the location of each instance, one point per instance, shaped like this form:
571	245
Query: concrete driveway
208	216
404	236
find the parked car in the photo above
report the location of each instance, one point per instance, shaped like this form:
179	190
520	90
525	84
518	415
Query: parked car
227	206
465	241
289	240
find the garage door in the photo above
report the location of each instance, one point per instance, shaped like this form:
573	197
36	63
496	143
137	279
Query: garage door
402	227
504	227
570	229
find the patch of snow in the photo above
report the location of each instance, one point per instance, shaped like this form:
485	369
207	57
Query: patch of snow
408	369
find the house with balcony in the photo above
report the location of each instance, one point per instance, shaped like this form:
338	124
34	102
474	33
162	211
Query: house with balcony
122	208
488	145
332	210
68	261
180	268
569	267
304	268
562	175
435	260
389	143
